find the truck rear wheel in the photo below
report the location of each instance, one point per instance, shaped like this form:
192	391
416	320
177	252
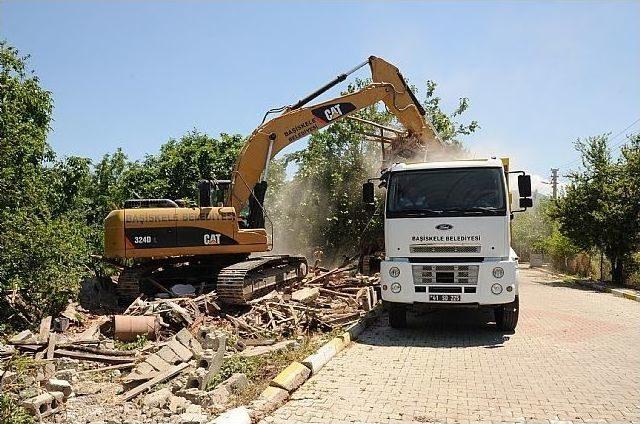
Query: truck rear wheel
507	315
397	315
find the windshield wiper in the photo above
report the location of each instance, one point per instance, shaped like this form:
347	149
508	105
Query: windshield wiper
421	211
476	209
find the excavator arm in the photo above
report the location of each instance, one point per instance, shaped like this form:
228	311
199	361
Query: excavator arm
298	121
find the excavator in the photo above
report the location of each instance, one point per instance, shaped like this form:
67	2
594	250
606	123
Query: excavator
216	243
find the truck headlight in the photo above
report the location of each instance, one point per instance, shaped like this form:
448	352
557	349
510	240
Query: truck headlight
498	272
394	271
395	287
496	288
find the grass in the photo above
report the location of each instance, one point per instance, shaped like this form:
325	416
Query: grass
26	369
138	343
11	412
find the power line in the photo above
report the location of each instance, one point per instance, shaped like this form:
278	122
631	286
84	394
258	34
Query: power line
609	141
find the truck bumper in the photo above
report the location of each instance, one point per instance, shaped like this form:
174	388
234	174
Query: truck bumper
408	285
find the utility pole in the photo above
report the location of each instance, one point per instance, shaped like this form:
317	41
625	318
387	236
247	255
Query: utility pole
554	182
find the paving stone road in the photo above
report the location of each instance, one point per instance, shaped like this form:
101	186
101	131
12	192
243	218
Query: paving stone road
575	357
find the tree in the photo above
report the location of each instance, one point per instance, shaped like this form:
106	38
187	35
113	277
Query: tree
172	173
25	114
43	247
531	228
601	207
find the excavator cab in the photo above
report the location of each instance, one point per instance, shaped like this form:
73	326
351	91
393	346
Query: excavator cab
213	192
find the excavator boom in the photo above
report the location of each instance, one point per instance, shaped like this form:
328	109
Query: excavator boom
298	121
168	242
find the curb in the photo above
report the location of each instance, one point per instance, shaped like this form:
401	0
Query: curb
627	294
297	373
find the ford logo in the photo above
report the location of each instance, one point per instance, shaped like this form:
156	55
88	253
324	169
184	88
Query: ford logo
444	227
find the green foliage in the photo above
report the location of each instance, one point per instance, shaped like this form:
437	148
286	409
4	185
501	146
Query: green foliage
601	208
530	229
558	246
11	412
43	260
446	124
24	123
236	364
42	249
173	173
25	369
52	210
136	344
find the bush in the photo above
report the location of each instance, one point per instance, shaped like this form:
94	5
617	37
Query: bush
41	264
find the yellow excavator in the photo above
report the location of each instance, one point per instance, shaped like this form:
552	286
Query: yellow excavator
164	241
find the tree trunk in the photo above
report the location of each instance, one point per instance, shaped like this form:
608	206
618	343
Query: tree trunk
617	270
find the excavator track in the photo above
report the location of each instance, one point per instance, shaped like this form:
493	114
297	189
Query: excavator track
128	288
255	277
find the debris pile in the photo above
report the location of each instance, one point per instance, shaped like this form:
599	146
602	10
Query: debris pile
324	302
165	352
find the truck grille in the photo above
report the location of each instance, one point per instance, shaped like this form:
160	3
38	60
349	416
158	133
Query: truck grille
445	274
443	248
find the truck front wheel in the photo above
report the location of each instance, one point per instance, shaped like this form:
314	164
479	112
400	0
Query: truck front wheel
507	315
397	315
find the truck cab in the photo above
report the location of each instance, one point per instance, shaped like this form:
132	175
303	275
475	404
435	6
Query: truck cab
447	238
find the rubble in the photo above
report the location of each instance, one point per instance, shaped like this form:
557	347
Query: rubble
327	301
45	404
306	295
157	399
164	353
57	385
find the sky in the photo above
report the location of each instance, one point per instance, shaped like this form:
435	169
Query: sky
539	75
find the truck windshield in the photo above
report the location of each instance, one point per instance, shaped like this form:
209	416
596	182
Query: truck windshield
446	192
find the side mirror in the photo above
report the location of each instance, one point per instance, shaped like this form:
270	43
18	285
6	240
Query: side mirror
526	202
524	185
367	193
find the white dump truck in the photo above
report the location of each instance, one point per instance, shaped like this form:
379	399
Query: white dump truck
448	238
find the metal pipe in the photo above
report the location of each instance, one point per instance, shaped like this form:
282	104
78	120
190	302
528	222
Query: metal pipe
127	328
326	87
375	124
265	174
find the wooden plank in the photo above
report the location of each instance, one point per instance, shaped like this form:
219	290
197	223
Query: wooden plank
93	331
160	286
321	277
93	356
110	367
180	311
96	350
155	380
257	342
133	305
45	328
250	352
52	345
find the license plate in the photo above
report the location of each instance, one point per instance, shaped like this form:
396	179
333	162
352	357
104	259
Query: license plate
444	297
